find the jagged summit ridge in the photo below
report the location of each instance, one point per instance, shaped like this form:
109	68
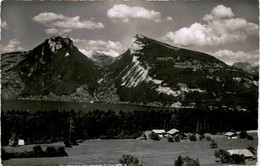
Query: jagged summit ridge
57	42
136	45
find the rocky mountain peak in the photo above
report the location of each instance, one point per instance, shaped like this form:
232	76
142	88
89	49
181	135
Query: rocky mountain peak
137	44
57	42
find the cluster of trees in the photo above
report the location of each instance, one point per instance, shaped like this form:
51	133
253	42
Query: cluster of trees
54	125
186	161
129	160
226	157
37	151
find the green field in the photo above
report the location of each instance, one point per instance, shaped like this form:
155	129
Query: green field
148	152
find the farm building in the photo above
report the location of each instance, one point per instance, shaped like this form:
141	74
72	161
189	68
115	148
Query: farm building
160	132
20	142
247	154
12	142
173	132
231	135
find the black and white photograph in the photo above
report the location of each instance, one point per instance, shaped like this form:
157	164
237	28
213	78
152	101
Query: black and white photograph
129	82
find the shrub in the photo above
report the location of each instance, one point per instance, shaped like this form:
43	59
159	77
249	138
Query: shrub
243	134
179	161
67	143
186	161
129	160
202	136
193	137
208	138
38	151
177	138
252	149
50	151
61	151
5	155
154	136
249	137
213	144
170	139
223	155
237	159
73	140
191	162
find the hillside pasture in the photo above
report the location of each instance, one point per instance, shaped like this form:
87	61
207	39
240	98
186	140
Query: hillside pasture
159	153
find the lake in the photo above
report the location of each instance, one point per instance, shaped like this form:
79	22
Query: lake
34	105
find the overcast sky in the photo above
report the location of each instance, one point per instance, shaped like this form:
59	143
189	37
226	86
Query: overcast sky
225	29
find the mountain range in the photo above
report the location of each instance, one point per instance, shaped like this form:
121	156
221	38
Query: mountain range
247	67
149	72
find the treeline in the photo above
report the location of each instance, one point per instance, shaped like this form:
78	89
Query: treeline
54	125
37	151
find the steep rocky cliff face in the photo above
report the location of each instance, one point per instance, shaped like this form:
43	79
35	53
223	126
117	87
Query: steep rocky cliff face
154	72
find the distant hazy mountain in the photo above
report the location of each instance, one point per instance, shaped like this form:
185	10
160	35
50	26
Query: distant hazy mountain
102	59
149	72
247	67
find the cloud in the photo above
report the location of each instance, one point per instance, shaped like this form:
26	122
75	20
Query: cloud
75	23
169	18
219	11
219	27
54	31
124	13
60	24
11	46
88	53
89	47
231	57
47	17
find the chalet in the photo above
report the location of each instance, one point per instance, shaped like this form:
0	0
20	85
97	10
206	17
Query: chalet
231	135
160	132
247	153
172	132
19	143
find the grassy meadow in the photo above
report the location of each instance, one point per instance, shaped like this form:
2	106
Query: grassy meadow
149	152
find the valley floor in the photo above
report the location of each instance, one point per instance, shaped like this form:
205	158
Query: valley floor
157	153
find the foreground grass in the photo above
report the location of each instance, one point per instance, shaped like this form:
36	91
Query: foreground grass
148	152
